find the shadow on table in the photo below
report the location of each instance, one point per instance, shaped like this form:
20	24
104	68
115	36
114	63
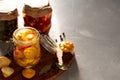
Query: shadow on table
6	48
72	73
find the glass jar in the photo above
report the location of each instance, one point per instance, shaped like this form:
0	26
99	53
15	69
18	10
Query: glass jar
38	14
8	20
27	48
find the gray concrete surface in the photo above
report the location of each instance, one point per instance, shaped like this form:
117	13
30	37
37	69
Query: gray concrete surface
94	27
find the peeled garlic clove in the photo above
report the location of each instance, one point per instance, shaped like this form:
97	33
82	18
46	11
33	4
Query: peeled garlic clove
7	71
4	61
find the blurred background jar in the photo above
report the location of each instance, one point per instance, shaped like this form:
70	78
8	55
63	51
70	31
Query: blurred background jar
27	48
8	20
8	23
37	14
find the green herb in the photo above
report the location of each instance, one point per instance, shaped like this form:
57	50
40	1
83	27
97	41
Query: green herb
45	69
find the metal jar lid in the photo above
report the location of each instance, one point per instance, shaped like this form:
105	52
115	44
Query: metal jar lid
48	43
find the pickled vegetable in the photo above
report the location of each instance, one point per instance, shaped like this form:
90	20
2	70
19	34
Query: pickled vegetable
7	28
27	51
38	17
67	46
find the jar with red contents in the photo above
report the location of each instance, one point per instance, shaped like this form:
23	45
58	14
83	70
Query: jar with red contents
38	14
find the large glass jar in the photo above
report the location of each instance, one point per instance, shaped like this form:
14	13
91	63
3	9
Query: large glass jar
27	48
8	20
37	14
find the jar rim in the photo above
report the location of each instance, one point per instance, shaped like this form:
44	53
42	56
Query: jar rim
25	42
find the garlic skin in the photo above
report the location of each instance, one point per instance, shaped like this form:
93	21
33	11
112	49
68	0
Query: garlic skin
59	55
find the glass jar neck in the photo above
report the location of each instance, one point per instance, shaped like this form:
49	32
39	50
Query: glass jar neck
25	42
9	15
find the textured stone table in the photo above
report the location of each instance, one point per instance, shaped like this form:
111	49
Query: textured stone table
94	27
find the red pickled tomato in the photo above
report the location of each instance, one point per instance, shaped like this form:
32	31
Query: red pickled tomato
29	21
42	23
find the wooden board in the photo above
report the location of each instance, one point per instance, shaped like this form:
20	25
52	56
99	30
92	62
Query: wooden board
47	60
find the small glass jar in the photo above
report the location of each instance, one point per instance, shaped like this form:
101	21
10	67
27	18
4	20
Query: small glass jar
27	48
8	20
38	14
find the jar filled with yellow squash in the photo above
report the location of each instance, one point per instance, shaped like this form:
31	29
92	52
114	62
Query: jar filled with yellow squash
27	49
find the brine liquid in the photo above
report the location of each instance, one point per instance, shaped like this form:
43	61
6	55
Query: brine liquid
27	50
27	56
42	24
7	28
